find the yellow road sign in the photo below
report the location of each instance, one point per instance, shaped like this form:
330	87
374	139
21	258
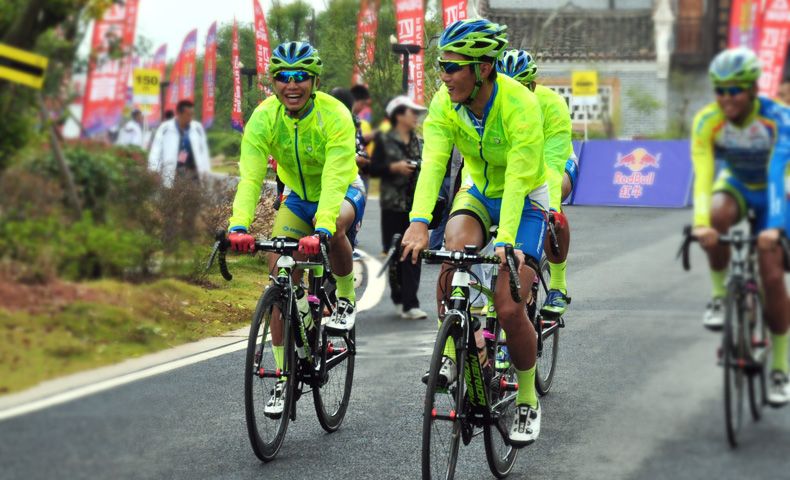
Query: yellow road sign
584	84
145	85
20	66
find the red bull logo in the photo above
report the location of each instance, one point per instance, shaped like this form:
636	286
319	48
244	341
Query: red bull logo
638	160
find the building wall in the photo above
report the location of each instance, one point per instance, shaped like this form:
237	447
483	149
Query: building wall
688	93
619	83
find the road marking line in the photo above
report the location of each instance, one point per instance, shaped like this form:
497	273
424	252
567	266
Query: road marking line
371	297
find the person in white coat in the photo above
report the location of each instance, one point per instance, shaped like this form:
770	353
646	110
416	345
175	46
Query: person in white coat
180	147
132	131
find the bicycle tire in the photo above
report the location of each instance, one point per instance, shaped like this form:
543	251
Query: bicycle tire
758	394
550	342
501	456
330	421
733	375
267	446
451	401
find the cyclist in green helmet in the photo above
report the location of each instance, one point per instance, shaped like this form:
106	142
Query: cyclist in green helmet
562	168
750	135
312	136
497	126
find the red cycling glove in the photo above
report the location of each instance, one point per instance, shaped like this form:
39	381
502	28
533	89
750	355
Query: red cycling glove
310	245
242	242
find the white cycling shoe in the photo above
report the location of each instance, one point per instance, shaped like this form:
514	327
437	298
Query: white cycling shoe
714	315
526	426
274	407
447	374
778	389
344	317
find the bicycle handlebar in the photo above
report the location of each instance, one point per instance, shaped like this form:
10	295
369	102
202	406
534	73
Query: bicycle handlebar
737	240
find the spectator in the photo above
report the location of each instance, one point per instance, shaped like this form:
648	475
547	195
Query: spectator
363	156
362	103
395	160
132	131
169	114
180	149
784	91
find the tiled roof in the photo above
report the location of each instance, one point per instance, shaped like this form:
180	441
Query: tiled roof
573	34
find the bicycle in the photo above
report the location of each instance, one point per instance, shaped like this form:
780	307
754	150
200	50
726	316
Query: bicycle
313	356
745	345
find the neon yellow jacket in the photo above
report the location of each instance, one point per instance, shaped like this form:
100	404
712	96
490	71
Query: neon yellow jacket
506	162
557	146
316	157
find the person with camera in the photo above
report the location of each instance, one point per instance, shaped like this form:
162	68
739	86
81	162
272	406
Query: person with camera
396	160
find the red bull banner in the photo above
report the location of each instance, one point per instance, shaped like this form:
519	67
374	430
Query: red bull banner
209	76
644	173
453	10
367	25
410	17
236	116
745	24
105	89
186	60
774	37
262	49
159	62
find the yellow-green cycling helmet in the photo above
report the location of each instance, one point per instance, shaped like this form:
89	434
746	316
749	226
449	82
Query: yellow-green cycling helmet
735	65
296	56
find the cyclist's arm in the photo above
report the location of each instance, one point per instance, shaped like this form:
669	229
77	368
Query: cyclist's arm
557	146
252	169
777	168
703	162
525	169
340	170
438	133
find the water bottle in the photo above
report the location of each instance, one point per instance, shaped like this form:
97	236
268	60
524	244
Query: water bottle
306	320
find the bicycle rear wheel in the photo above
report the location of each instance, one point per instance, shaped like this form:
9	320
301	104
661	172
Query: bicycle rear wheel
441	424
549	344
332	396
500	454
267	432
758	375
734	378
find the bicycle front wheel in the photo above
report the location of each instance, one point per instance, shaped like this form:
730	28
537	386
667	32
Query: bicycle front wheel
441	420
758	374
332	395
500	454
734	378
549	343
261	375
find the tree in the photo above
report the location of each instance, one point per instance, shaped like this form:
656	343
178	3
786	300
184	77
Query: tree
292	22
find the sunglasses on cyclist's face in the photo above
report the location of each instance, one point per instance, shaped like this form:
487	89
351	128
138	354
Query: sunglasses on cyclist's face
731	91
298	76
452	66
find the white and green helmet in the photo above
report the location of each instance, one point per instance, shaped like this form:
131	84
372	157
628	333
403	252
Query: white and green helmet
517	64
736	66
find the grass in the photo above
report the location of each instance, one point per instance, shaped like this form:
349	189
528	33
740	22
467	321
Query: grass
124	321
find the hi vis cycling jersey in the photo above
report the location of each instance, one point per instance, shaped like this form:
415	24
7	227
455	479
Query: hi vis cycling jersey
503	154
316	157
755	154
557	146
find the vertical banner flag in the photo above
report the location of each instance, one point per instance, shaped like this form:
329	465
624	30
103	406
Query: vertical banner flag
367	25
186	60
745	24
236	118
105	90
453	10
172	90
774	36
209	72
262	50
159	63
410	17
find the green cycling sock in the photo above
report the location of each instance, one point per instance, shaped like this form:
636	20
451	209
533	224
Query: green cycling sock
719	282
449	346
279	357
557	281
526	388
779	345
345	287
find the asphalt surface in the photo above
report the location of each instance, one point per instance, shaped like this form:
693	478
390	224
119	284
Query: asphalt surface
637	393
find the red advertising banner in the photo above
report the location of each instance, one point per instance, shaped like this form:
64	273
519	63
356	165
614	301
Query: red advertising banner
745	24
172	96
236	117
209	76
262	50
774	36
453	10
367	25
105	90
186	60
159	62
410	17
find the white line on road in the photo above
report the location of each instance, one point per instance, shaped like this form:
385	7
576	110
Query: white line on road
371	297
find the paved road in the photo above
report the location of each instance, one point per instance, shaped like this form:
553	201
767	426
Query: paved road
637	393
